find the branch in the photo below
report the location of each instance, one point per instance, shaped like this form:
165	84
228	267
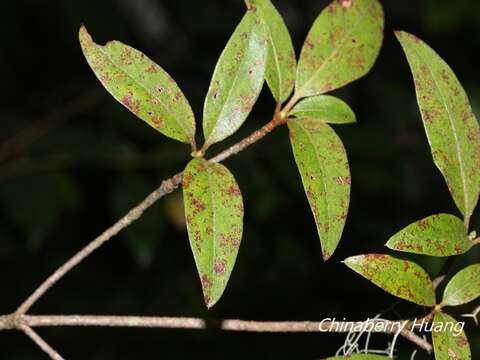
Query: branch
476	241
41	343
372	326
165	188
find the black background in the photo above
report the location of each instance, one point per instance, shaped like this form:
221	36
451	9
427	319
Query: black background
73	161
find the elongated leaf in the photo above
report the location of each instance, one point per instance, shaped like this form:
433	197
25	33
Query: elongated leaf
449	339
237	80
436	235
141	86
451	127
326	108
341	47
358	357
281	60
400	278
463	287
214	213
323	165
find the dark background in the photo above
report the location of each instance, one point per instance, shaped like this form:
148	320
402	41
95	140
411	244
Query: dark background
72	161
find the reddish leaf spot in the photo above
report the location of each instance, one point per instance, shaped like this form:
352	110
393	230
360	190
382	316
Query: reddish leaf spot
219	267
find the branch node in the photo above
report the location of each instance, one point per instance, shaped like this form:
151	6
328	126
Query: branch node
11	322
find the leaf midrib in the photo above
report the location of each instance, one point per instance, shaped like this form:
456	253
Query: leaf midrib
334	52
232	87
453	128
110	59
322	169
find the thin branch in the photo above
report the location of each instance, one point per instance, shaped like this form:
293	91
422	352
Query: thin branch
373	325
474	315
476	241
165	188
41	343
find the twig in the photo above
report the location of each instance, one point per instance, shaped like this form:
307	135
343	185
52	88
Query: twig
165	188
474	315
476	241
41	343
390	327
438	281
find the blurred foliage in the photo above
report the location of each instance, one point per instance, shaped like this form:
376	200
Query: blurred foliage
87	167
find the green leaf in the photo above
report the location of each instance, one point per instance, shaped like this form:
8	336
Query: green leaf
281	60
214	213
401	278
449	342
463	287
237	80
341	47
452	129
436	235
326	108
141	86
323	165
358	357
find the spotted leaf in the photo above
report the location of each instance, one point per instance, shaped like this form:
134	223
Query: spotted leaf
341	47
463	287
214	213
141	86
452	129
401	278
436	235
323	165
281	61
326	108
449	342
358	357
237	80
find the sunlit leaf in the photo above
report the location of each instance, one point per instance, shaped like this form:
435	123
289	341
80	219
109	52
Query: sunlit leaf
463	287
341	47
214	213
281	61
141	86
326	108
449	341
323	165
436	235
452	129
237	80
401	278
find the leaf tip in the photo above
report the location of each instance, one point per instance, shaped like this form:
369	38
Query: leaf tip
83	32
390	244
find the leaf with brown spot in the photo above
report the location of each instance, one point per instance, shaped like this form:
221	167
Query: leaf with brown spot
281	61
436	235
341	47
325	108
452	129
358	357
237	80
323	165
463	287
141	86
401	278
448	342
214	213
